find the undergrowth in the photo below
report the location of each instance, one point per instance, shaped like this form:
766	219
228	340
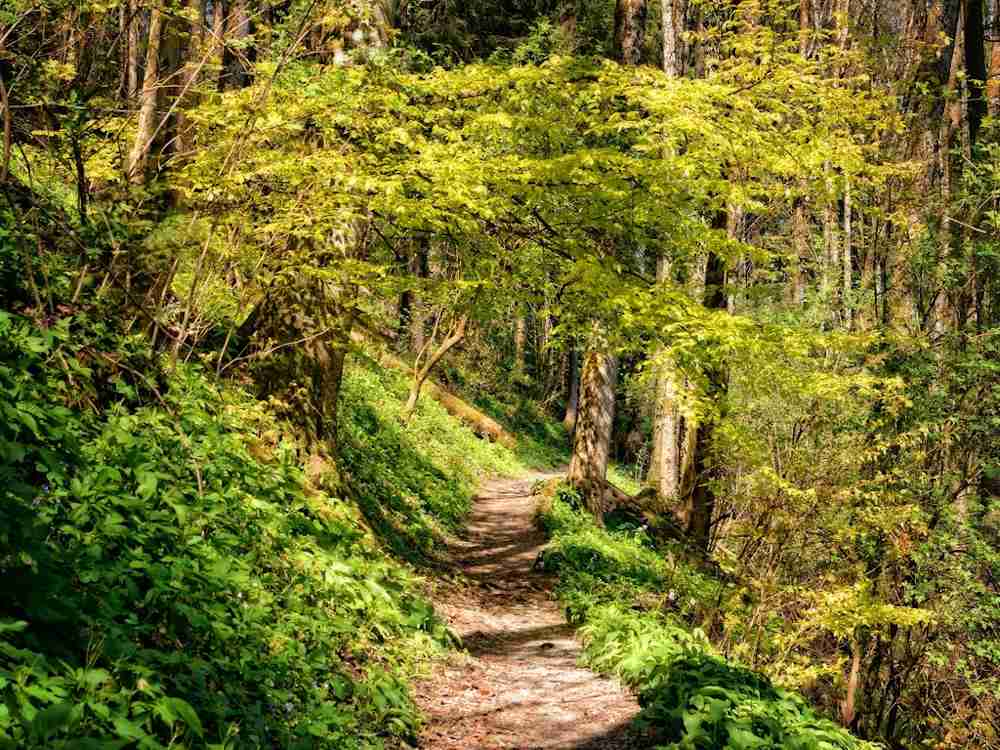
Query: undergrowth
416	481
542	441
175	571
638	606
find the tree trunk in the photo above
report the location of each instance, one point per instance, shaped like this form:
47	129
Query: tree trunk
147	109
847	706
699	42
671	39
975	66
846	254
520	339
132	54
805	27
993	76
832	263
328	376
218	38
234	71
421	373
800	239
665	460
630	30
592	440
573	399
699	507
193	50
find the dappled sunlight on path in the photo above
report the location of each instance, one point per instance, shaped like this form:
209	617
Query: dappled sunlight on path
518	686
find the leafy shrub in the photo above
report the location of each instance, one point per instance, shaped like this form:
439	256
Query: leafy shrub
168	575
637	606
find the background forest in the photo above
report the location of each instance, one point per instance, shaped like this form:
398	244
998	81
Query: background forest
280	280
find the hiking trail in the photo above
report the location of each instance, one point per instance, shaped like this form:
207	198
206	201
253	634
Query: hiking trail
519	686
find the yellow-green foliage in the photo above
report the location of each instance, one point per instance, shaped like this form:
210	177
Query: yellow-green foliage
636	604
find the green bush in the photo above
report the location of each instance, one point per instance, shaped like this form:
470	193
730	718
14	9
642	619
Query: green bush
170	578
637	608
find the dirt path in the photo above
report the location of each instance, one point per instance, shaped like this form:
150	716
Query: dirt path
519	686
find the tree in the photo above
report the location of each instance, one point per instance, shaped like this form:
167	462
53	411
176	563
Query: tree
592	437
146	131
672	22
630	30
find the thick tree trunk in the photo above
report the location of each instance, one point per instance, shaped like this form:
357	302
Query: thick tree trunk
328	376
975	66
147	109
592	441
699	508
805	27
630	30
697	512
699	42
234	70
573	397
665	460
218	38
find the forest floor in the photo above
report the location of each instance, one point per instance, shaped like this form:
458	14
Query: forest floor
518	685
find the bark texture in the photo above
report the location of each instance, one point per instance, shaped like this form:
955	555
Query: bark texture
673	44
630	30
698	506
592	442
665	457
147	108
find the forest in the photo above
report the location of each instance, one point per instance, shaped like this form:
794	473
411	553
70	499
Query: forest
433	374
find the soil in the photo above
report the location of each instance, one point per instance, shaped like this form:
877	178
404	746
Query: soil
518	686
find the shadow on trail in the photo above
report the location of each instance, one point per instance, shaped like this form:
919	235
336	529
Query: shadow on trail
522	686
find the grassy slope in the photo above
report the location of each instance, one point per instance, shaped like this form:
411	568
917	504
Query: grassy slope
636	605
176	571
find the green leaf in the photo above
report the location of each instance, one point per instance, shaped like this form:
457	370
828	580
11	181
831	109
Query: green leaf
187	714
50	720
